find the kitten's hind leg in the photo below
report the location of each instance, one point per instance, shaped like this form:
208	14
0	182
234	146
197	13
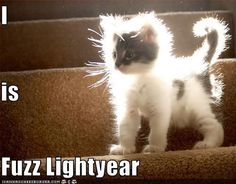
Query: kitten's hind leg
212	131
128	128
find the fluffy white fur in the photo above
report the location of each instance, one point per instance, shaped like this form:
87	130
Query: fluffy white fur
147	89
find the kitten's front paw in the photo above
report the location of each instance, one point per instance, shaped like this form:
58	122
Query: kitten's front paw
121	150
153	149
203	145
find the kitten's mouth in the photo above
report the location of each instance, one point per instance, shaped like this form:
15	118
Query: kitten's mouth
122	68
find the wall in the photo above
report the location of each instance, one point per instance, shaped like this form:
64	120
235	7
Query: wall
48	9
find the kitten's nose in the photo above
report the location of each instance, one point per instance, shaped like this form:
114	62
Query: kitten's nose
117	64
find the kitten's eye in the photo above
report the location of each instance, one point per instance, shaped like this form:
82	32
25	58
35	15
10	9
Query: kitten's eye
114	54
129	55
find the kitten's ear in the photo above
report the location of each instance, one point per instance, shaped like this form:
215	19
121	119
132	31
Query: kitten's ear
107	22
148	33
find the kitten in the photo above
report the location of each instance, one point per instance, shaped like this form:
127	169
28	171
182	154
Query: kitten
145	79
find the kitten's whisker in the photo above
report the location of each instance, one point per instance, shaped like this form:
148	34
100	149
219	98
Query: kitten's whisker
96	72
91	63
96	45
96	69
120	36
101	58
94	40
93	74
95	66
101	33
134	36
106	87
89	29
99	82
97	62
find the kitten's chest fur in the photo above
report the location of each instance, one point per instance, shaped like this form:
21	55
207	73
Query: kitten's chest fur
143	94
141	97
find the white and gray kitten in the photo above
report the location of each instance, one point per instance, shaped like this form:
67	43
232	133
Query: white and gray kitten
145	79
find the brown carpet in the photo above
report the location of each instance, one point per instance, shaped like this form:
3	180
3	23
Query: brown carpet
57	114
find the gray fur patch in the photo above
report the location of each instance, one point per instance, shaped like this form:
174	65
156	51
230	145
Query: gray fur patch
205	81
181	88
212	39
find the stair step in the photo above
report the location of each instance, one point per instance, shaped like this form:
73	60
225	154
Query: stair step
57	114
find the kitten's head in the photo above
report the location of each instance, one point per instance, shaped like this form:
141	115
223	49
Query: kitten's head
131	46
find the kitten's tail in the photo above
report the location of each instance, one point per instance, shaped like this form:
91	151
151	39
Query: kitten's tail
216	37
